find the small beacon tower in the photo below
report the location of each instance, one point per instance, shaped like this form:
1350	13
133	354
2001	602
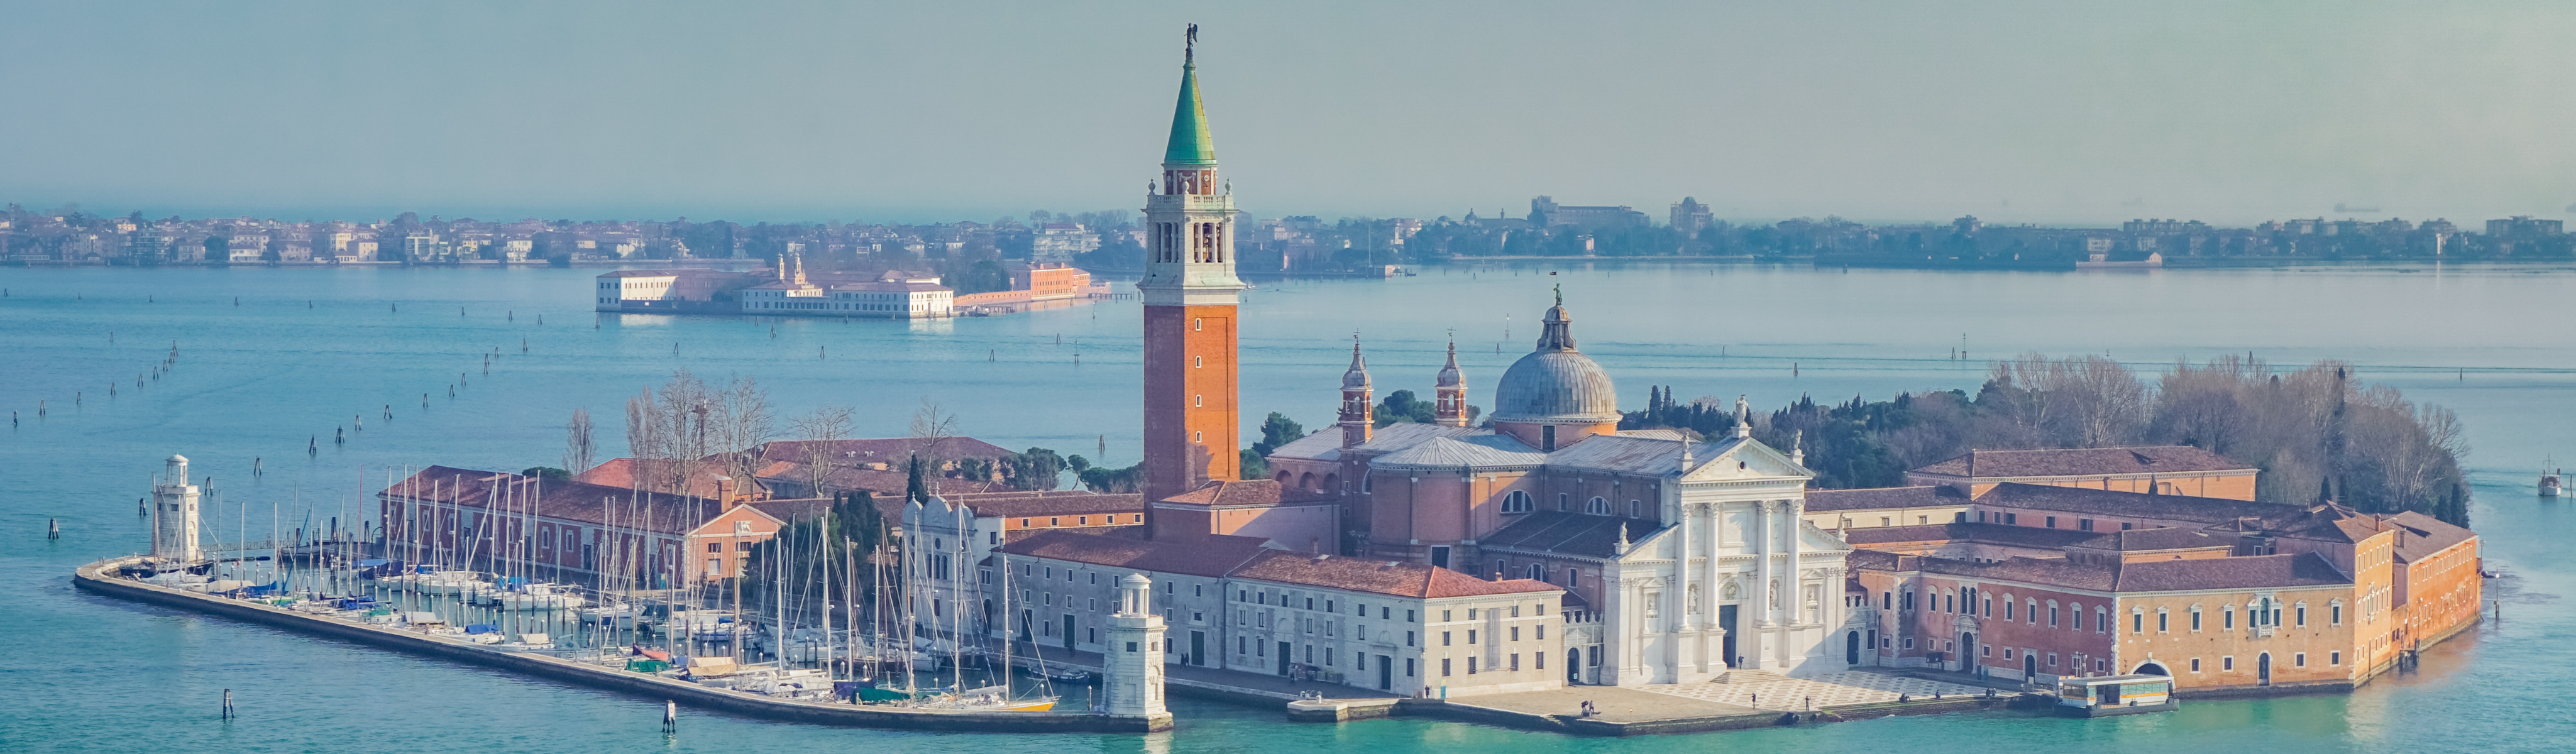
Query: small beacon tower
1132	662
174	516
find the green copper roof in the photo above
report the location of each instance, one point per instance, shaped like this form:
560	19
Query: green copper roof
1191	144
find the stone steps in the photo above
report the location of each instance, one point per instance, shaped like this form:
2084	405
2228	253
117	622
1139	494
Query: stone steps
1748	675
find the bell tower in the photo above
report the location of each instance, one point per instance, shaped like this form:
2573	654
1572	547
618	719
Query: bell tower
1190	295
1359	417
1451	393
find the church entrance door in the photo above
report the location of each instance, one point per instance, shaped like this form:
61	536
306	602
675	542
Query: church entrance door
1726	620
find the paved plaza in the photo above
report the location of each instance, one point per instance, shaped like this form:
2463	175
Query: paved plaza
1827	690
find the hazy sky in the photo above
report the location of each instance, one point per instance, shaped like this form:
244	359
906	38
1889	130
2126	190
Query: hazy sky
2049	112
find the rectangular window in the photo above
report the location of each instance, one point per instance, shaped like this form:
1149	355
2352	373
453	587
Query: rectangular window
2334	658
1538	660
1516	633
2334	613
2195	664
2052	522
1471	637
2299	660
1444	667
2137	623
2195	621
2161	620
1444	638
2227	663
1408	667
1471	666
2303	616
2227	617
1516	661
1408	638
2012	519
2084	524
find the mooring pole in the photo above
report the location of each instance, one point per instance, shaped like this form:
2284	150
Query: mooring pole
228	704
670	716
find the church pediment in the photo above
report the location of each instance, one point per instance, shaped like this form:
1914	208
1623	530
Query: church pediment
1745	459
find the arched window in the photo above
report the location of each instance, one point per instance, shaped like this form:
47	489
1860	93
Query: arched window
1519	502
1597	506
1537	572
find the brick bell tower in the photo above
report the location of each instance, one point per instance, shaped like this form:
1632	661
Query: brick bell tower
1190	294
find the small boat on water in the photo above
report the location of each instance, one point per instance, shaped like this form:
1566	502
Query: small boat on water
2552	482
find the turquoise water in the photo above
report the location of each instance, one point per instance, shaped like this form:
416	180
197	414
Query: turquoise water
305	350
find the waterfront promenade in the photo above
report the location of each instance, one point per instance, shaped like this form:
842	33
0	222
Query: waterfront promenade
101	577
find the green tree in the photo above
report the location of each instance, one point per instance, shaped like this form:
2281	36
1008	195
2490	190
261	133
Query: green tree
1276	431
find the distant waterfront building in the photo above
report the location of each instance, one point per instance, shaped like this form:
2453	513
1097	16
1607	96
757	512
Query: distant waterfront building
667	291
1690	217
1586	217
1060	241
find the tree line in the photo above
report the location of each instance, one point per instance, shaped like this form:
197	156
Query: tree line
2318	433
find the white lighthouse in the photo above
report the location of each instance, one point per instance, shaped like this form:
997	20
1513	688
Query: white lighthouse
1132	661
174	516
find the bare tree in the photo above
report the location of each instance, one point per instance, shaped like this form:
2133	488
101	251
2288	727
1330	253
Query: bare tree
743	421
680	421
933	426
643	423
820	428
578	447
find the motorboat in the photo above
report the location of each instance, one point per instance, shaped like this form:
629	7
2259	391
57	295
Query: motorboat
610	614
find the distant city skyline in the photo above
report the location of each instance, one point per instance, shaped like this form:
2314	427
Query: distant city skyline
1874	111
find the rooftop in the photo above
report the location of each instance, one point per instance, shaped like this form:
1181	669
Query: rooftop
2112	503
1827	501
1567	533
2156	459
1212	556
1388	577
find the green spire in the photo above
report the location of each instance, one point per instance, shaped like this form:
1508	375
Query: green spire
1191	144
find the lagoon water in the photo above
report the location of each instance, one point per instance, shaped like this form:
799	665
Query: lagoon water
304	351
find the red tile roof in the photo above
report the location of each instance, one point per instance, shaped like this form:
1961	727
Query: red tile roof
2425	535
2085	462
1826	501
2019	536
1048	503
2113	504
2155	538
1376	576
576	501
1213	556
1247	492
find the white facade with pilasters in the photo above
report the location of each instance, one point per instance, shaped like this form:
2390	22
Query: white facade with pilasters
1739	581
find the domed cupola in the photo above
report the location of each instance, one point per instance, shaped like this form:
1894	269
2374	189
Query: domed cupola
1555	395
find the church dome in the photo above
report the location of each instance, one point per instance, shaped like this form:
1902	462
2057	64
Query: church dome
1555	384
